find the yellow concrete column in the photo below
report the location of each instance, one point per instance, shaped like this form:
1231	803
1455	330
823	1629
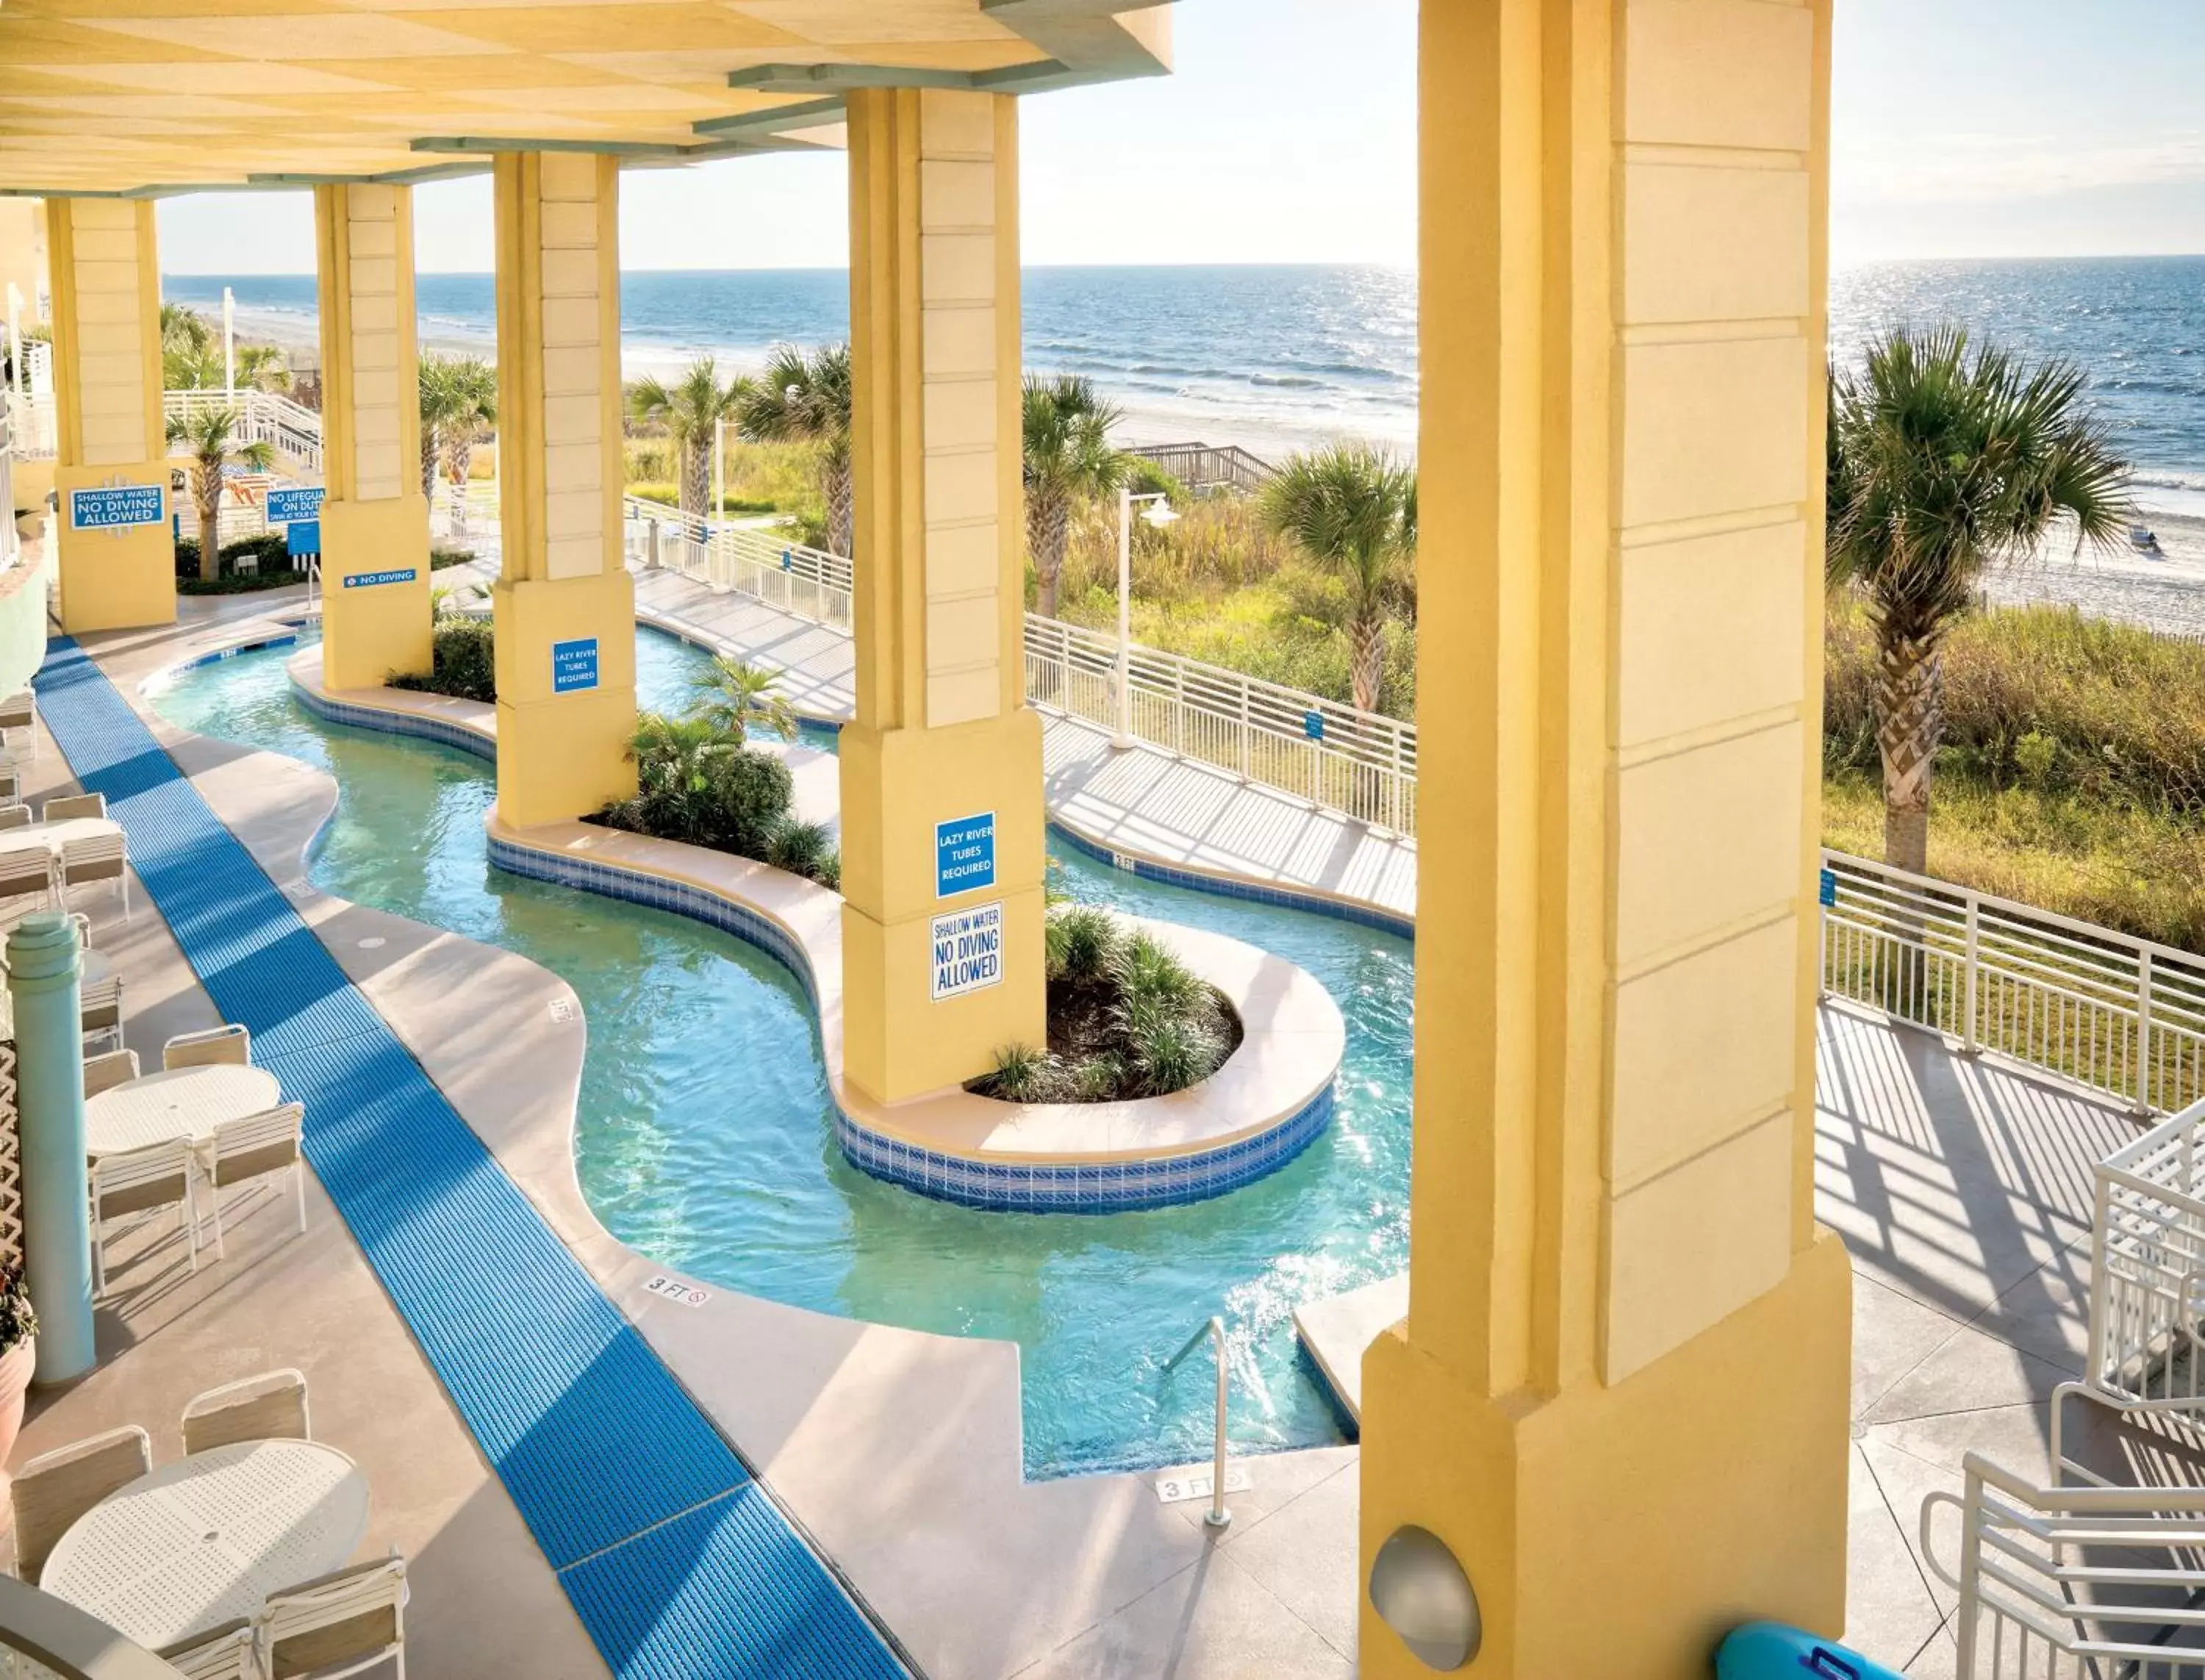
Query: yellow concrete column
118	565
564	602
1619	1396
941	802
375	519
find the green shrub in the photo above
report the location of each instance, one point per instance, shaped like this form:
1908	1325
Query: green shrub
1144	478
1024	1074
666	496
269	550
697	784
1081	941
465	664
441	558
801	848
1169	1052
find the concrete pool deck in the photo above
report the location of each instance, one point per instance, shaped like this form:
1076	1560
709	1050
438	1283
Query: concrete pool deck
1961	1186
898	1453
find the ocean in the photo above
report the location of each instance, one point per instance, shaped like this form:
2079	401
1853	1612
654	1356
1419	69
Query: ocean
1280	358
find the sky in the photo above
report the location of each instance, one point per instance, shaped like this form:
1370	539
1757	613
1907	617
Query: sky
1960	128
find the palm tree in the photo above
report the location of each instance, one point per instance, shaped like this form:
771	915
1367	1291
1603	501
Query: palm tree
1946	458
732	694
1352	509
691	410
805	395
190	356
210	437
1067	455
441	403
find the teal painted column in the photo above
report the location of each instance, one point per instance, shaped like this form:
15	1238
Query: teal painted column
43	966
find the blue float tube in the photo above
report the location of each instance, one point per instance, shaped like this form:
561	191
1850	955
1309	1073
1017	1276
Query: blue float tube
1771	1651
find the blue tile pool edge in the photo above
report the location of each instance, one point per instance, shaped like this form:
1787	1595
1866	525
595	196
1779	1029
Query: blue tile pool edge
1099	1187
808	1589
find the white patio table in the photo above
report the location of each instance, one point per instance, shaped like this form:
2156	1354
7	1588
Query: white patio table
182	1102
209	1537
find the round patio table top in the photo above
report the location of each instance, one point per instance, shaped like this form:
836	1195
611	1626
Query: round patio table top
209	1537
182	1102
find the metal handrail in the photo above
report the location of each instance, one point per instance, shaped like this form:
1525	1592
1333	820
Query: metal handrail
1217	1516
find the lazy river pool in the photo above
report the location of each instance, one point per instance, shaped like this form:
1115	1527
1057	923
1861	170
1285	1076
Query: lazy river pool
704	1138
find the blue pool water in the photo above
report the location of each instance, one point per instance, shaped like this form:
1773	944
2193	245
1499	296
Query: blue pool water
703	1137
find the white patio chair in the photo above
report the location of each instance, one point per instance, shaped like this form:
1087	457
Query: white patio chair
271	1406
100	1004
338	1624
142	1181
11	787
15	814
27	872
19	713
63	806
55	1488
220	1653
105	1072
95	859
230	1046
253	1148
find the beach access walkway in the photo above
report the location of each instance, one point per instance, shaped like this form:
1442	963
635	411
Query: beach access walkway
1140	803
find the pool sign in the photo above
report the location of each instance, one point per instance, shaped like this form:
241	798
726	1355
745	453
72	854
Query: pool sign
297	502
1313	725
964	854
1829	893
374	579
304	537
679	1289
117	507
968	950
573	665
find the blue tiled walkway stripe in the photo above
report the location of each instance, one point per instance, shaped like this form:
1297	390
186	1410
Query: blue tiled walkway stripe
680	1566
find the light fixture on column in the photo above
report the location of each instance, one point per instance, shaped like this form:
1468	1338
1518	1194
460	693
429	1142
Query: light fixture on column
1419	1590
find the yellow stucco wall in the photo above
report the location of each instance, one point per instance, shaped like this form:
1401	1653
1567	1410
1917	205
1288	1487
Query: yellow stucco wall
559	754
107	405
941	731
1623	1378
374	519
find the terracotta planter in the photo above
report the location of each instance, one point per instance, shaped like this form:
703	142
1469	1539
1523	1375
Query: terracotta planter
15	1378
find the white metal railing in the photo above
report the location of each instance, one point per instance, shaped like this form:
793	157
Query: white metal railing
2072	1583
1332	755
804	582
1218	1516
31	419
2148	1265
1360	763
263	417
2121	1015
465	513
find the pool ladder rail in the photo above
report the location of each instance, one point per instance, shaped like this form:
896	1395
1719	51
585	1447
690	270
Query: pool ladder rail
1217	1516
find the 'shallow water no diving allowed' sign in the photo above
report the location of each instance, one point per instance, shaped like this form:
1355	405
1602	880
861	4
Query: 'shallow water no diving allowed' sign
117	507
968	945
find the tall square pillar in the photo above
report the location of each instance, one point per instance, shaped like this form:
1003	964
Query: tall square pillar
943	753
117	554
565	604
1620	1394
375	520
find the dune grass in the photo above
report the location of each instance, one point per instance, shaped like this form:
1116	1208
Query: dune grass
2072	775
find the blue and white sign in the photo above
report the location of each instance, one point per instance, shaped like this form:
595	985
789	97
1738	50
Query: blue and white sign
297	501
964	854
573	665
968	950
1829	887
117	507
374	579
1313	725
304	537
